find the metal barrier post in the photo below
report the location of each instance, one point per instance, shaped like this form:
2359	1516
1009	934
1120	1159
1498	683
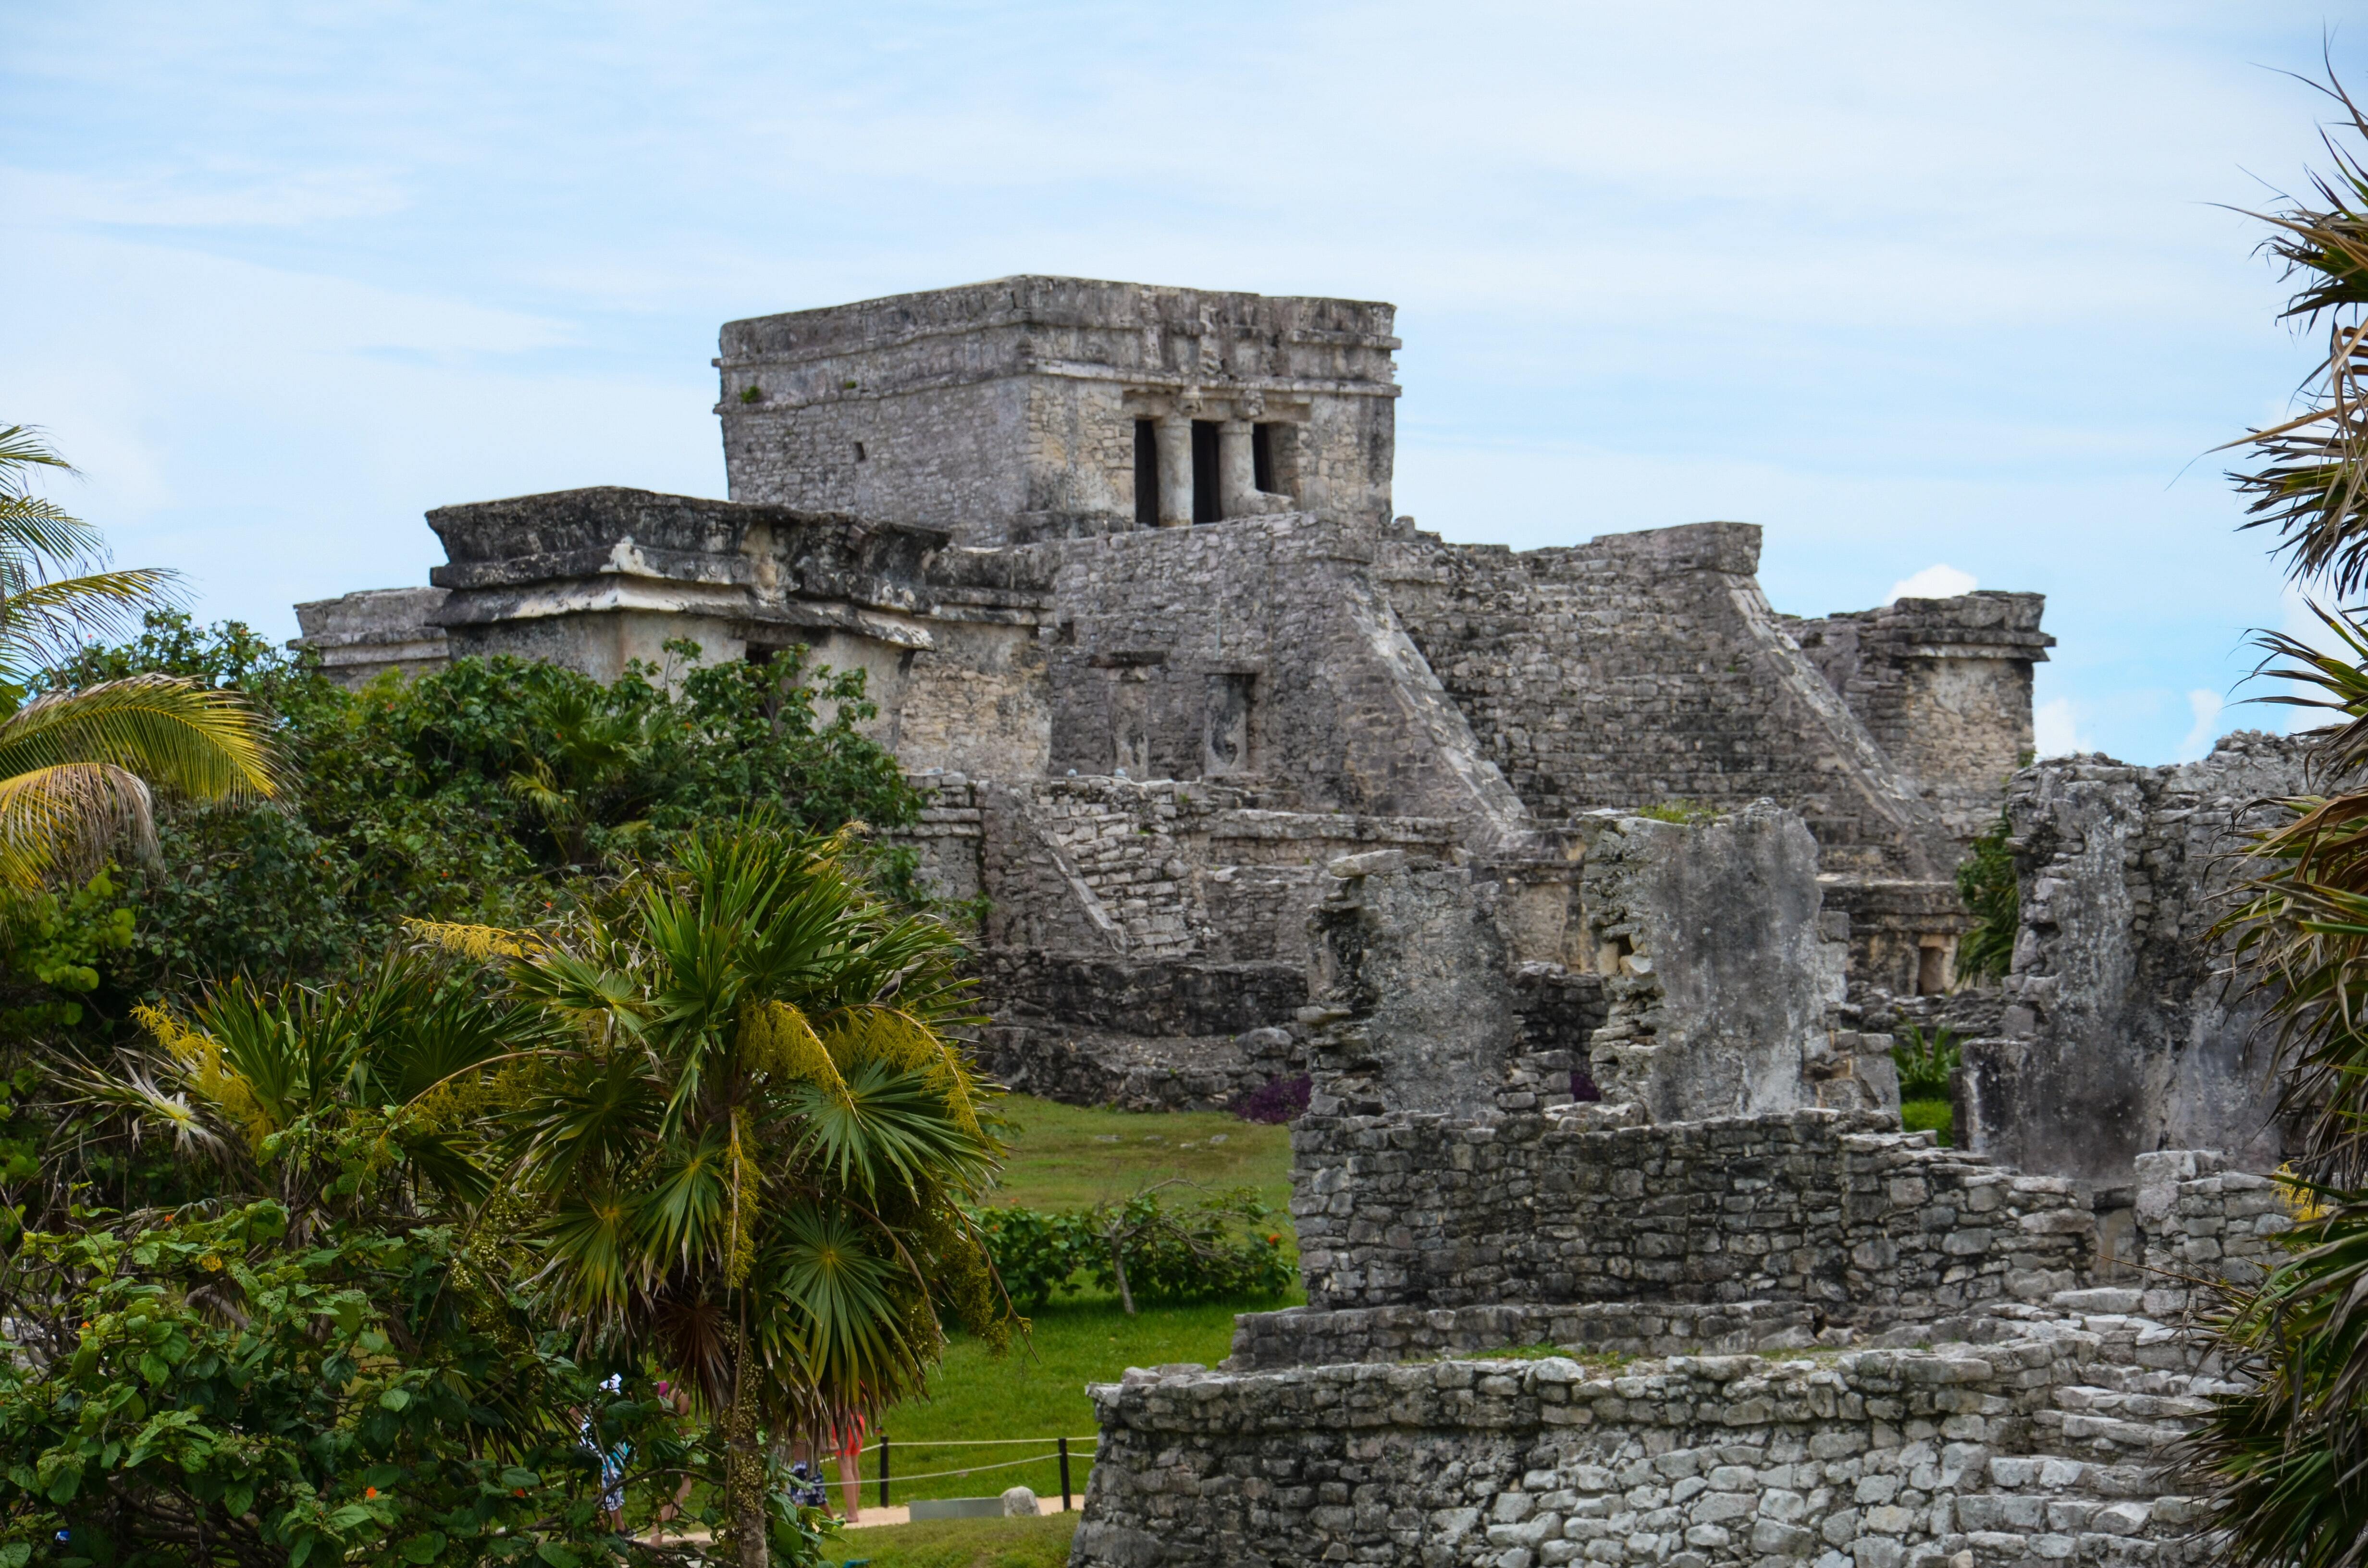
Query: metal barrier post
884	1470
1064	1475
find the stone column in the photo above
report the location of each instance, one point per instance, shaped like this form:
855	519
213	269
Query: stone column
1237	492
1174	471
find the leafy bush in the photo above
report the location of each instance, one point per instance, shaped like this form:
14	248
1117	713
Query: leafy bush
1216	1250
1987	882
213	1386
1925	1063
479	792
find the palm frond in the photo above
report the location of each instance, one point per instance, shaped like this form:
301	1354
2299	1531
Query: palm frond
62	819
176	734
44	624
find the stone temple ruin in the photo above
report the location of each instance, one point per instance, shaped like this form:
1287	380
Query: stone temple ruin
1588	890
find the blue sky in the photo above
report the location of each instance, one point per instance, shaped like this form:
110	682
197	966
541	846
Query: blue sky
1910	285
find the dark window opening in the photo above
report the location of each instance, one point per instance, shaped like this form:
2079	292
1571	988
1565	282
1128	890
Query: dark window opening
858	452
1931	970
1146	474
1206	507
1262	457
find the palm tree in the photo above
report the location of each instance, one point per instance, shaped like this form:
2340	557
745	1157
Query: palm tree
2287	1458
76	766
750	1155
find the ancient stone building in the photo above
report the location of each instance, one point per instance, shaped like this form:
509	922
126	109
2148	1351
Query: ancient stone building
1121	570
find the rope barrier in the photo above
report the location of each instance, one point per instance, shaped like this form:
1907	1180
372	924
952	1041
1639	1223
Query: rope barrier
1045	1458
870	1448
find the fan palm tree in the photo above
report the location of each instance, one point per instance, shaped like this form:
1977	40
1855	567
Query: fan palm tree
2287	1460
77	767
750	1156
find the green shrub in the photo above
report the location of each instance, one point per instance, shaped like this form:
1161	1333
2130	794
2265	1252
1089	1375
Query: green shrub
479	792
1216	1250
349	1395
1926	1063
1986	880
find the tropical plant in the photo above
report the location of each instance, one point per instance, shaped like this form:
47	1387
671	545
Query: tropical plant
746	1162
1987	882
2286	1460
198	1389
77	765
1221	1248
1927	1064
482	792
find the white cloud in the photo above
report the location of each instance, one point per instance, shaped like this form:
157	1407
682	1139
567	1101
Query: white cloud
2206	705
1938	581
2055	730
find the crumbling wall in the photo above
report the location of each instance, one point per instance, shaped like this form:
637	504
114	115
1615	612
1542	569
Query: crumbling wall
2044	1448
1818	1207
361	635
2118	1037
1259	649
1645	668
1415	979
1721	973
1944	687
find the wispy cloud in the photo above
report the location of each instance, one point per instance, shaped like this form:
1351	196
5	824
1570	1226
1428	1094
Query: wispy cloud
1939	581
2206	705
301	273
2057	731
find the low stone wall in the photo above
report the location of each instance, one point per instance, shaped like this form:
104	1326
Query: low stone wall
2042	1449
2197	1221
1817	1206
1309	1336
1136	1073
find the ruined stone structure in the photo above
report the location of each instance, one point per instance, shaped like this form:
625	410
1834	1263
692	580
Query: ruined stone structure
2118	1037
1585	888
1146	739
1866	1350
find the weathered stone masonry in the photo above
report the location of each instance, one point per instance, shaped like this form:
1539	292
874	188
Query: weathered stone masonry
2001	1419
982	498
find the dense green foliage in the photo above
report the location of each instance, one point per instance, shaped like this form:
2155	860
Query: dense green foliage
197	1389
479	793
1986	880
1218	1249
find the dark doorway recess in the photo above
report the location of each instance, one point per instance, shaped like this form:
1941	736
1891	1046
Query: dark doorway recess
1262	457
1146	474
1206	507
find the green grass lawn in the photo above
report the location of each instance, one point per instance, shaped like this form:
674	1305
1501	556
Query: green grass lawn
1917	1116
961	1543
1062	1157
1066	1156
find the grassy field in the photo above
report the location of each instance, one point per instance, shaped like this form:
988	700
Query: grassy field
961	1543
1062	1157
1066	1156
1916	1116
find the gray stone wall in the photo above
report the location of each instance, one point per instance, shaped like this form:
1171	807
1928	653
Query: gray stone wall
2117	1038
1313	1336
1944	687
361	636
2042	1448
1722	974
1818	1207
1004	411
1646	669
1261	649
